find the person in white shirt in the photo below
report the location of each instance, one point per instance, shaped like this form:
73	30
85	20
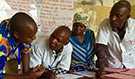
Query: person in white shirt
53	53
116	38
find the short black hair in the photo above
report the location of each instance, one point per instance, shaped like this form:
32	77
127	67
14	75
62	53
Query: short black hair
21	21
78	24
122	3
63	28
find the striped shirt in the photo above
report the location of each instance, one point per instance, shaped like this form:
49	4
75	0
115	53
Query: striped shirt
83	53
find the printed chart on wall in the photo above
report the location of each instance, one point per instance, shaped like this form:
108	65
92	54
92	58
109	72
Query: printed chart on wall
48	14
54	13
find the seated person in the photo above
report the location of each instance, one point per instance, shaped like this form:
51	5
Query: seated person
16	35
54	53
115	39
83	41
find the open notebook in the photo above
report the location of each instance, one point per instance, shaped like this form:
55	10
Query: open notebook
68	76
76	75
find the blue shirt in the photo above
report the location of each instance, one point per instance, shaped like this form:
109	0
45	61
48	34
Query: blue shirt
83	53
6	37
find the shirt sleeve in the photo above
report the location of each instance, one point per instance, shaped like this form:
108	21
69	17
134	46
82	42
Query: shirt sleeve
4	43
4	46
36	56
102	35
65	62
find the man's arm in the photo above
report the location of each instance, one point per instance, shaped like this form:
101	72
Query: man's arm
101	47
25	60
101	62
101	53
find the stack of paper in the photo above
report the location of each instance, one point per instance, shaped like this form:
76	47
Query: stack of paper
68	76
86	73
76	75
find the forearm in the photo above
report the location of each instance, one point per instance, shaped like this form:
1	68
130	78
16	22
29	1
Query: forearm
101	53
101	50
25	62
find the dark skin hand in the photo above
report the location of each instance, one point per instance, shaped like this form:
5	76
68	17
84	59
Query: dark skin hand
48	74
101	53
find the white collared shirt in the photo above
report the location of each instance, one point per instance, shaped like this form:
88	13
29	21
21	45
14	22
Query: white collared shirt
43	55
121	52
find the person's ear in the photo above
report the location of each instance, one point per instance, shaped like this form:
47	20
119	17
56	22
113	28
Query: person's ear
15	34
66	42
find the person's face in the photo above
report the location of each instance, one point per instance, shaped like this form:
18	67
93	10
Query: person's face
118	17
79	30
57	40
27	36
